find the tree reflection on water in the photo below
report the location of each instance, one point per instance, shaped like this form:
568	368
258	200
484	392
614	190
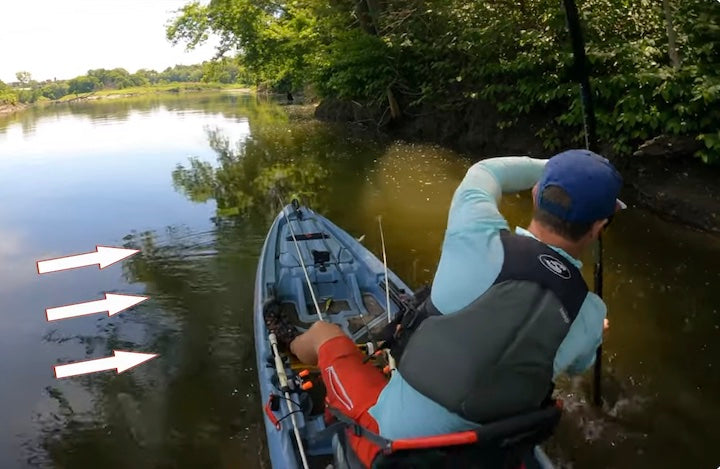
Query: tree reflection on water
196	405
253	175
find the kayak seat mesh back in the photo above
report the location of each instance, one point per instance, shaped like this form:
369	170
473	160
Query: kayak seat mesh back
439	458
455	457
503	444
508	443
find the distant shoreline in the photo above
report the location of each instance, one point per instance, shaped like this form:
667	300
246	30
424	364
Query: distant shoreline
144	90
170	88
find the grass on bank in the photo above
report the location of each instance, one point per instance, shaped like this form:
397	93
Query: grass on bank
151	89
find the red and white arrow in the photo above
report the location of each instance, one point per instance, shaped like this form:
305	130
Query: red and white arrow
122	361
112	303
103	256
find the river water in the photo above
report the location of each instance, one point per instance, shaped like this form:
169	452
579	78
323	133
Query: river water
192	181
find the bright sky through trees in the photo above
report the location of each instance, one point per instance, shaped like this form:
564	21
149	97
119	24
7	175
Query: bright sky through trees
64	39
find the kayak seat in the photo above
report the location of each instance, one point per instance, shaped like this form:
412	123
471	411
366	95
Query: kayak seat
503	444
456	457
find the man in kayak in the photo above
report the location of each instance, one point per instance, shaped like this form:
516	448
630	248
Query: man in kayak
507	311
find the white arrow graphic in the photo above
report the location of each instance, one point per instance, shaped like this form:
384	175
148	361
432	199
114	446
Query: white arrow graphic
122	361
103	256
112	303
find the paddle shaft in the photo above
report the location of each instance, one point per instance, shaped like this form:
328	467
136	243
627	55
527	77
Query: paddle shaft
282	377
583	77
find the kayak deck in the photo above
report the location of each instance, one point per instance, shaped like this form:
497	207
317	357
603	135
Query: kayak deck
348	282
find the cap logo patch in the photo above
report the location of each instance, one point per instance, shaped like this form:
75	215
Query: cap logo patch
554	266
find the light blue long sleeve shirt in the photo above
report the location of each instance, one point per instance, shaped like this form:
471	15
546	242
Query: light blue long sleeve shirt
472	257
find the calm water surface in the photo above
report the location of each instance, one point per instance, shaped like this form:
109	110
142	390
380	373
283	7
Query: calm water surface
193	182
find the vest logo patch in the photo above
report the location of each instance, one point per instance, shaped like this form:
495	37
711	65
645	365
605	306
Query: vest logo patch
554	266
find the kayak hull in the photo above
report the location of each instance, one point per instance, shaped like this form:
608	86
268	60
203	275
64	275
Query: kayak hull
350	275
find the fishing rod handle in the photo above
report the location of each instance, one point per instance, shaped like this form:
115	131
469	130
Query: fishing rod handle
279	365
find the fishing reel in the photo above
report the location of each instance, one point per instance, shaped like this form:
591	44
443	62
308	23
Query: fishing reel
302	381
378	356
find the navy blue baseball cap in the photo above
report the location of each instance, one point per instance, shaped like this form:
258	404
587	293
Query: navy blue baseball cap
590	180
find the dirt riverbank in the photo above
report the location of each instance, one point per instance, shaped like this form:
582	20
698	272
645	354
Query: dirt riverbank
10	108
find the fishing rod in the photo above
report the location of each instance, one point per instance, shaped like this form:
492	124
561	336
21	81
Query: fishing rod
302	263
283	381
391	361
582	75
387	280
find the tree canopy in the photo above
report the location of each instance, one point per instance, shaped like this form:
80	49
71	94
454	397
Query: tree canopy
654	64
24	77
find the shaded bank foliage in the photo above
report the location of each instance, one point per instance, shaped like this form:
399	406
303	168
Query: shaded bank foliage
654	64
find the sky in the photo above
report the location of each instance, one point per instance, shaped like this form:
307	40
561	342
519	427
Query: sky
66	38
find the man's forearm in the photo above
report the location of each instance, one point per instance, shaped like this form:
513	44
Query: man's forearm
510	174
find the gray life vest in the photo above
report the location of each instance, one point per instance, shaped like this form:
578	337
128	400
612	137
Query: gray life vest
494	358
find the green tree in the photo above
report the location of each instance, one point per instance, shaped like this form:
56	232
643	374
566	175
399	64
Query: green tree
83	84
274	39
225	70
147	76
24	78
55	90
426	55
7	94
671	34
117	78
182	73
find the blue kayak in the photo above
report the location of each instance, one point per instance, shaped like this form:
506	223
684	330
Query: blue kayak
348	287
